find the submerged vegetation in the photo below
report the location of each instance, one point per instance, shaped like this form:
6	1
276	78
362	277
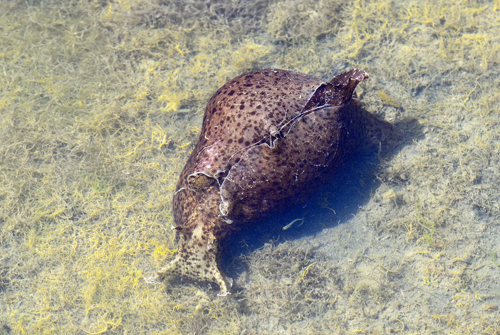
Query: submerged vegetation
101	102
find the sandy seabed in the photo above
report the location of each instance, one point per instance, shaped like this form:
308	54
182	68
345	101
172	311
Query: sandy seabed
101	102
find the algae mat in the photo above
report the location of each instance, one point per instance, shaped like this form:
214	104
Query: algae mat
101	102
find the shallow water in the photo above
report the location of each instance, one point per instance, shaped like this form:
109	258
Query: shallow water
101	104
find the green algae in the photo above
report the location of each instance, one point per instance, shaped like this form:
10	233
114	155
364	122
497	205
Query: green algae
101	103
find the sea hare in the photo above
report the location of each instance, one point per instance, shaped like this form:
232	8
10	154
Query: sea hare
269	139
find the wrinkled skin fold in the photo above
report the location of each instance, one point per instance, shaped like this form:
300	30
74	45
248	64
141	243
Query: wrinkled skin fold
269	139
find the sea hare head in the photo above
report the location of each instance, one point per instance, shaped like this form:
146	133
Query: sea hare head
198	255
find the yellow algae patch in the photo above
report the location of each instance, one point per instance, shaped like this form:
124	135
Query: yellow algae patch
387	99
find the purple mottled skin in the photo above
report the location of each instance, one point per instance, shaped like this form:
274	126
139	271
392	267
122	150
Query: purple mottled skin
269	138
